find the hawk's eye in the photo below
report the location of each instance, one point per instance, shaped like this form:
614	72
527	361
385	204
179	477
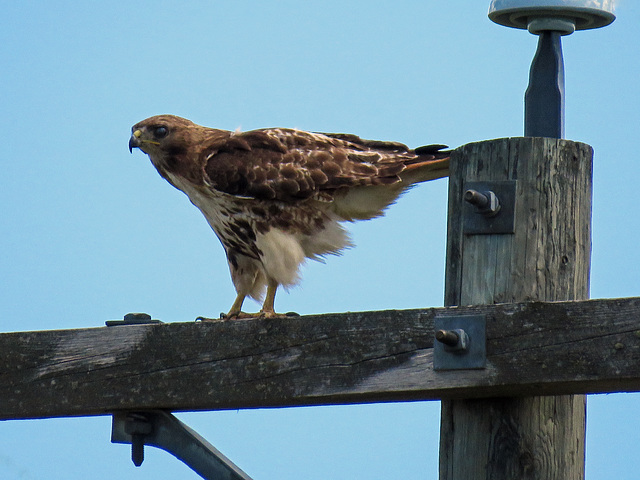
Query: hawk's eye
160	132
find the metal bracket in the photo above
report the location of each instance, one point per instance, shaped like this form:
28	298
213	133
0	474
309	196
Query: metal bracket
489	207
162	430
460	342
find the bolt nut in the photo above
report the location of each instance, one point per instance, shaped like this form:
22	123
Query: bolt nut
486	203
453	340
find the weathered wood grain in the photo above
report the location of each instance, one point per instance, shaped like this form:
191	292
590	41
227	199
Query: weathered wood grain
546	259
532	348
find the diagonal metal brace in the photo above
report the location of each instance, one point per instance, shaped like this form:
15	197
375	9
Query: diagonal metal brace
162	430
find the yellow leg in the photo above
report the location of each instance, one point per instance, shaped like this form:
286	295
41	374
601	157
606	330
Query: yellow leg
268	309
236	308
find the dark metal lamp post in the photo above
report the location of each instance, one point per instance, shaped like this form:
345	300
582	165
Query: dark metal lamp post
550	20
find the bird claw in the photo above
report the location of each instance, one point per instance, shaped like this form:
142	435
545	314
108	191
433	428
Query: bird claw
262	314
238	316
246	316
207	319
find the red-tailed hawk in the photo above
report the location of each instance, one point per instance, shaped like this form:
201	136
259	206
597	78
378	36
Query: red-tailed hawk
276	196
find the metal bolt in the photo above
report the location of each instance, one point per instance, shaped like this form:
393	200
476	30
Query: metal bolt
136	317
486	202
448	337
453	340
133	319
137	449
138	426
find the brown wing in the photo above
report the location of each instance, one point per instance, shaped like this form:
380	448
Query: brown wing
289	165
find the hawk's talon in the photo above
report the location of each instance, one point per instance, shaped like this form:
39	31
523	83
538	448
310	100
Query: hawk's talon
247	316
238	316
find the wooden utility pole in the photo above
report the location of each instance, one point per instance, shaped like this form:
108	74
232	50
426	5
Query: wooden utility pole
546	258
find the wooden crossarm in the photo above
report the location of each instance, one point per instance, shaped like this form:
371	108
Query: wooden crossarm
532	348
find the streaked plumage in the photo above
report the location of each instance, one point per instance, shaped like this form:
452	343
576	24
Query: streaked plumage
276	196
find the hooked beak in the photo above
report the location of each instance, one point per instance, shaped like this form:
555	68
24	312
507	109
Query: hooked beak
134	141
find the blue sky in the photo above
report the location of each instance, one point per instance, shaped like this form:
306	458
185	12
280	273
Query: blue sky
90	232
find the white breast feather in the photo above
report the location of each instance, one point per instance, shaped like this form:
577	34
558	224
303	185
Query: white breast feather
332	239
282	255
283	252
206	203
363	203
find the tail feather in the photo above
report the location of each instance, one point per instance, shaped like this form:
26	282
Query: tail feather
431	163
370	201
435	149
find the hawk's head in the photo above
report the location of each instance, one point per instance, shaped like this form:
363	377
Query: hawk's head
161	134
172	143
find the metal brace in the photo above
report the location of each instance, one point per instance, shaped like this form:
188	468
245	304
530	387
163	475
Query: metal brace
460	342
489	207
161	429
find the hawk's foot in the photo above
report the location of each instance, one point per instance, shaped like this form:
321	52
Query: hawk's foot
207	319
246	316
238	315
228	316
277	315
